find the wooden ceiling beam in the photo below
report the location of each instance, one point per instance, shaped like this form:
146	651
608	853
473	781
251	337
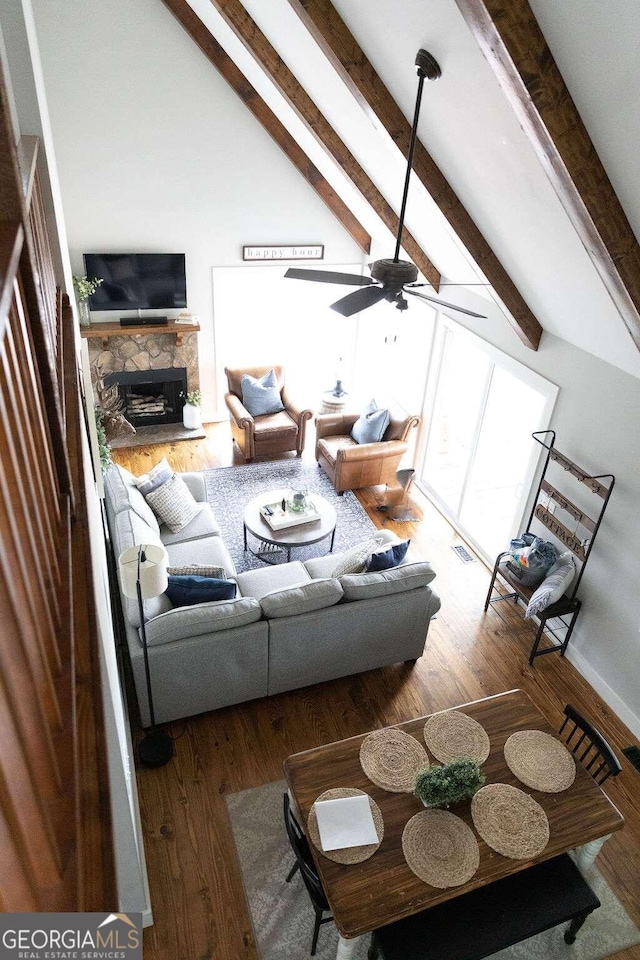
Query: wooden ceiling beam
342	50
277	131
265	55
514	46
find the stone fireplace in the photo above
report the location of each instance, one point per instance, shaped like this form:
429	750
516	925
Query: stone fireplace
151	397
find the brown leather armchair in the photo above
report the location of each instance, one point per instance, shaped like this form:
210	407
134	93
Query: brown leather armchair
267	435
352	465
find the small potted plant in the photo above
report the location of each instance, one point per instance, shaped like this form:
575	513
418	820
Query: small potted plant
85	288
191	410
440	786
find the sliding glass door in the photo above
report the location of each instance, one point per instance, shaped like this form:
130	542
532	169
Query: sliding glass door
479	457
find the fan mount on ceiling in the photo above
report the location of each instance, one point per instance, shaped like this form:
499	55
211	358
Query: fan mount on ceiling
392	278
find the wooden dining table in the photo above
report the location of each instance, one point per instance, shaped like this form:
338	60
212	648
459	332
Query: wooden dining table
383	889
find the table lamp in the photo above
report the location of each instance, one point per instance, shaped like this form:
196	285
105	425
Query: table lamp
143	575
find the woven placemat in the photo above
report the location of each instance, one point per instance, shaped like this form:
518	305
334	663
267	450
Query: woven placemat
347	854
510	821
540	761
440	848
391	758
453	734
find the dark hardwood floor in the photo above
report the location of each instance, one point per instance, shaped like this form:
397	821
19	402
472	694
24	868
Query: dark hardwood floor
196	889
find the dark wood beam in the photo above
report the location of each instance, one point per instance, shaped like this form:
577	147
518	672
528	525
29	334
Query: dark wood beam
316	123
343	51
513	44
276	130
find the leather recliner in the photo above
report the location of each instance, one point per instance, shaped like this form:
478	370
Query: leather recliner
351	465
273	433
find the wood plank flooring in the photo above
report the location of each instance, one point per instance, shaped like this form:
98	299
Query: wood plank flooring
196	890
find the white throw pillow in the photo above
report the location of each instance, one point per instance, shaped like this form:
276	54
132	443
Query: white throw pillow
173	503
554	585
356	559
155	477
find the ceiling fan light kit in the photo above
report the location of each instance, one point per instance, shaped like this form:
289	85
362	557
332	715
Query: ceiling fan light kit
391	278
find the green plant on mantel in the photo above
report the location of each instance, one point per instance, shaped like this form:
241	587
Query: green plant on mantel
85	287
194	397
441	785
103	445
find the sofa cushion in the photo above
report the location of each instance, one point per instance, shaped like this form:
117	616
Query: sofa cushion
257	583
261	395
274	427
409	576
129	530
173	503
371	424
329	446
182	622
388	556
211	551
186	591
154	478
122	494
203	524
304	598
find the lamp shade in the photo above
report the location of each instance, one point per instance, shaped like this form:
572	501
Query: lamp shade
153	571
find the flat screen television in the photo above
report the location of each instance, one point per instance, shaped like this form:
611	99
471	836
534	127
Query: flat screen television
137	281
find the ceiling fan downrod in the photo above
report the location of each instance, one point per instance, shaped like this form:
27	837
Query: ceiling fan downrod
428	69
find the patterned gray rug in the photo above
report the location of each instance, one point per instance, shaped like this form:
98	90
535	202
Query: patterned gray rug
282	915
229	489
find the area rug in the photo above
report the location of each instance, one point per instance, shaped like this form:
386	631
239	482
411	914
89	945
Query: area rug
282	915
229	490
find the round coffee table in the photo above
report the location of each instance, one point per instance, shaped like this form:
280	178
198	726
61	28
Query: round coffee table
302	535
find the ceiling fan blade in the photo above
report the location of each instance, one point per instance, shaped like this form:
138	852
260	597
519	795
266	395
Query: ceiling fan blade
443	303
358	300
328	276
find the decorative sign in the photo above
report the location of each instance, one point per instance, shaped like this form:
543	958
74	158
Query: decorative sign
560	531
310	252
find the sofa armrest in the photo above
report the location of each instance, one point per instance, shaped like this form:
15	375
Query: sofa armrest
197	487
372	451
184	622
335	424
295	411
237	410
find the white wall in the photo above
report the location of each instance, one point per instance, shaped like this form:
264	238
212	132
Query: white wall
596	421
156	152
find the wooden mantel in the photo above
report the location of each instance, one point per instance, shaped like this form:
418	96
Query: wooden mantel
106	330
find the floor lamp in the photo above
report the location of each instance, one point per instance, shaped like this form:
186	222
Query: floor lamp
143	575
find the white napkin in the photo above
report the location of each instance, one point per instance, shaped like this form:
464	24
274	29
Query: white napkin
345	823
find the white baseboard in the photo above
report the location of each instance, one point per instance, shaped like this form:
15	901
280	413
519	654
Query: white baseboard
610	697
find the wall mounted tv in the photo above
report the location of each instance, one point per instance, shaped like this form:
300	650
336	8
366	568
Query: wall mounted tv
137	281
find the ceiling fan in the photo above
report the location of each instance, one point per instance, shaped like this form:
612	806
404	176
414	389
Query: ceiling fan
390	279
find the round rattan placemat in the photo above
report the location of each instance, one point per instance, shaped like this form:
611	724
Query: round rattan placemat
540	761
347	854
510	821
453	734
391	758
440	848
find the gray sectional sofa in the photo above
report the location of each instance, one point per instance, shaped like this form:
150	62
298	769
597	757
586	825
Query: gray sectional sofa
291	625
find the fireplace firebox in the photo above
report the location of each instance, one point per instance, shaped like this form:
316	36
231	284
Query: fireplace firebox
151	396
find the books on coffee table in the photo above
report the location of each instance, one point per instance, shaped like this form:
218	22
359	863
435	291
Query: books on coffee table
280	519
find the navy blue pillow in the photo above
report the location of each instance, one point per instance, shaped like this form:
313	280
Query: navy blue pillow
185	591
386	559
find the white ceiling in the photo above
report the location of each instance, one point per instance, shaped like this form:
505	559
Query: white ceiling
470	130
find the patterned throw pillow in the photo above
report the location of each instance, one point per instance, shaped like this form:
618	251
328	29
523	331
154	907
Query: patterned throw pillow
197	570
371	425
356	559
173	504
158	475
261	396
553	586
387	558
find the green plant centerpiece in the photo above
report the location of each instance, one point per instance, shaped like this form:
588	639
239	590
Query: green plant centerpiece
194	397
439	786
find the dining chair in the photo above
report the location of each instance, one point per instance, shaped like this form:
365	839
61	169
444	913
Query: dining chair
304	863
589	746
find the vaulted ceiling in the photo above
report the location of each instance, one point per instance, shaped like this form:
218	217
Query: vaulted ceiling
505	203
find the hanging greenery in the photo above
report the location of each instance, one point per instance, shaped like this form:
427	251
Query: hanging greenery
103	444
